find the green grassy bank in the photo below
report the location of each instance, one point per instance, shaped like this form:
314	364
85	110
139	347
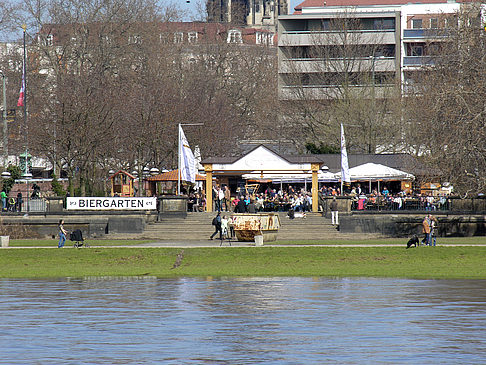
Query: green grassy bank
422	262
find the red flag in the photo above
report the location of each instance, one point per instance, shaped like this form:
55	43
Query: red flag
20	102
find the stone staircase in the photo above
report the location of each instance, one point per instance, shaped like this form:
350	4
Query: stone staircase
197	226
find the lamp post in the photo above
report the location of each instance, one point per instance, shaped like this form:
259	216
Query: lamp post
27	176
145	175
4	119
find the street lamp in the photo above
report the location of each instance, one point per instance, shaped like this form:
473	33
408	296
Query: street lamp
27	176
4	119
145	175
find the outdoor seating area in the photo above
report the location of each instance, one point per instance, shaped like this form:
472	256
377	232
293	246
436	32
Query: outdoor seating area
400	202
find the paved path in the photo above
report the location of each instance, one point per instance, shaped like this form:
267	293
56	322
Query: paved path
216	244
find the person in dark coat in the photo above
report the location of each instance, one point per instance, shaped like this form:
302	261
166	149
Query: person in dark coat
19	202
217	227
241	206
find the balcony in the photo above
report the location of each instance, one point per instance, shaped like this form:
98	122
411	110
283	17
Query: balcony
327	92
418	61
422	34
325	38
358	64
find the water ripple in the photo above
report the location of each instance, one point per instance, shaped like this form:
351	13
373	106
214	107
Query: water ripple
243	321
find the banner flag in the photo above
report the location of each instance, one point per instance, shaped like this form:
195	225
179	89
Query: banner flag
20	102
345	177
187	161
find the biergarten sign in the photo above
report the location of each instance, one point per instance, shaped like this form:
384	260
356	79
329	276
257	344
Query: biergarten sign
115	203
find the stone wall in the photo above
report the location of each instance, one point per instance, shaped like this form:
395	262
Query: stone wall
92	225
408	224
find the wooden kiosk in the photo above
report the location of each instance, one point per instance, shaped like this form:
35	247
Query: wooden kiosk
122	184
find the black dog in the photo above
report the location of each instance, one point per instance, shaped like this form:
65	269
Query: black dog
414	241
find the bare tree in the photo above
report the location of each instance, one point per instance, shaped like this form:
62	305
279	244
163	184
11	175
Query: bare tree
445	108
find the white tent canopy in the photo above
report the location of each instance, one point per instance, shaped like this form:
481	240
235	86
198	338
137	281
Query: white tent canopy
373	172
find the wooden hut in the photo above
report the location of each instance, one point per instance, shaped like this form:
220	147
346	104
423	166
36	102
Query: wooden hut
122	184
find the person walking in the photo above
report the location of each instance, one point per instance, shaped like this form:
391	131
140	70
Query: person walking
217	226
3	195
426	230
62	234
334	212
434	226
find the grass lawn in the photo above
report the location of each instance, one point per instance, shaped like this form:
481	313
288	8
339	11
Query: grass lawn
422	262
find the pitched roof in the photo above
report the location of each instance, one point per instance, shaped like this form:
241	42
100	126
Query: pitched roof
172	176
123	172
295	159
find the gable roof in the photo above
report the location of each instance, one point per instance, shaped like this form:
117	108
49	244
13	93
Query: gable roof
292	159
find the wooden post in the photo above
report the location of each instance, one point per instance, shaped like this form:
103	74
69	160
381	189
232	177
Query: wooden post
315	187
208	168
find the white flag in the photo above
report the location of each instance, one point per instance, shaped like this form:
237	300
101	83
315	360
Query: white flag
186	158
344	159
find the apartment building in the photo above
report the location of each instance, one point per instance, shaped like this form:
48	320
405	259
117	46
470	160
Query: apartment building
328	48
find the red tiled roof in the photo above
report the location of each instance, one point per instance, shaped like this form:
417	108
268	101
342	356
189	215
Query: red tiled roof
172	176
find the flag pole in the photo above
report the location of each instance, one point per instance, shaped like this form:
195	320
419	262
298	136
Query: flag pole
179	161
27	175
344	162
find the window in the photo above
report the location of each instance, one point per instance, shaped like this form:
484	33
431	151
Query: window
234	36
192	37
264	38
451	22
385	23
417	50
178	37
434	23
164	38
416	23
49	40
134	39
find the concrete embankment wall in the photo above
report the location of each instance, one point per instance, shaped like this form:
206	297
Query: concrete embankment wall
93	225
402	225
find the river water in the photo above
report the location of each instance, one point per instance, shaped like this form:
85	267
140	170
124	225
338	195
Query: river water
242	321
